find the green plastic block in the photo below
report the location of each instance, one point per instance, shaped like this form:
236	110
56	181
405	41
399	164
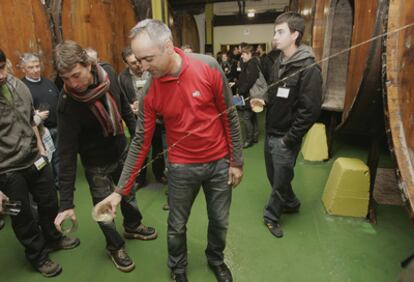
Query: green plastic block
315	145
347	189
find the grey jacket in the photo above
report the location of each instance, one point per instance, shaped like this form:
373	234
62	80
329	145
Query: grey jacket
18	147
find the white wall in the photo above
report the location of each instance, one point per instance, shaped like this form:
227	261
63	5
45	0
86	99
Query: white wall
258	33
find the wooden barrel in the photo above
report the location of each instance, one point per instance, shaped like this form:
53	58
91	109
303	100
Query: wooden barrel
399	93
319	27
362	112
25	27
185	31
101	24
307	9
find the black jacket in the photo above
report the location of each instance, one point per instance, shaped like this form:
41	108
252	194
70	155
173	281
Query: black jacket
126	86
291	117
248	76
267	63
80	132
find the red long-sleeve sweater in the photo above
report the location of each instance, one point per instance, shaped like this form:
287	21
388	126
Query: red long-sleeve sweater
200	121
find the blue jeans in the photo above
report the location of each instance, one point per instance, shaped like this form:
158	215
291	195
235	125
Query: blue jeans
101	182
184	182
280	162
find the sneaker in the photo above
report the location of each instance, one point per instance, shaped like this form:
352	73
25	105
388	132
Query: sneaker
179	277
49	268
275	229
121	260
64	243
142	232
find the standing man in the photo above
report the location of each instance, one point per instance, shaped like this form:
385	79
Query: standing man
190	92
90	114
23	171
132	81
293	107
45	97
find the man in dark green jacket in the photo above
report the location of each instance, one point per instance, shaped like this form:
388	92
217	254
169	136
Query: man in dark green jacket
294	104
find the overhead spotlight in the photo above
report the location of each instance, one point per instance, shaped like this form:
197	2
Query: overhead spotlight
250	14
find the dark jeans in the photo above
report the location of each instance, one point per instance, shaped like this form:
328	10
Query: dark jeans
158	166
33	234
55	157
184	182
249	119
280	163
101	182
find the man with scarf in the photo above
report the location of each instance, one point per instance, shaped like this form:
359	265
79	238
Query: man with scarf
90	112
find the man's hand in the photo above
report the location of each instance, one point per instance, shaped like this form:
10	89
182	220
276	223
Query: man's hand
42	114
257	102
135	107
70	213
235	176
2	198
111	202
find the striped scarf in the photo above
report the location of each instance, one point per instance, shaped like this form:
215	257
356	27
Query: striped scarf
102	104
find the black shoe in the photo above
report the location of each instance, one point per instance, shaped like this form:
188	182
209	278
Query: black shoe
222	272
49	268
179	277
121	260
275	229
64	243
291	209
163	180
142	232
247	145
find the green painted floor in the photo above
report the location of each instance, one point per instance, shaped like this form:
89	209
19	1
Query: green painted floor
316	247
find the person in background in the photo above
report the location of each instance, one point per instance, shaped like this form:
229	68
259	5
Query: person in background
131	81
187	48
248	76
45	98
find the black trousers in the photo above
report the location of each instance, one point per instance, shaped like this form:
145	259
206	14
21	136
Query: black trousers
102	181
32	234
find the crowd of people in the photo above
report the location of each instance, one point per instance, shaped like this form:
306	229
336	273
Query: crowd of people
166	97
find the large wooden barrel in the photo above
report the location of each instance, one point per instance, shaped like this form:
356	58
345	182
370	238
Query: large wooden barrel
25	27
185	31
362	112
101	24
399	93
319	27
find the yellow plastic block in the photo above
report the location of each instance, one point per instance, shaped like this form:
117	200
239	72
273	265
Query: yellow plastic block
347	189
315	146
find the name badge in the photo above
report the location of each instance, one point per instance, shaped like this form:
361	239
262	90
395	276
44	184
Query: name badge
283	92
140	83
40	163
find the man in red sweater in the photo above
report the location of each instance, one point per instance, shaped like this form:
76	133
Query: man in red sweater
190	93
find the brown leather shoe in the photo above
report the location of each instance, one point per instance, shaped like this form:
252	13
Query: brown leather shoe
142	232
64	243
49	268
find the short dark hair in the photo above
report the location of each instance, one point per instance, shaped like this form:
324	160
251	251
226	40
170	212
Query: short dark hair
247	49
69	53
2	57
126	53
295	22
